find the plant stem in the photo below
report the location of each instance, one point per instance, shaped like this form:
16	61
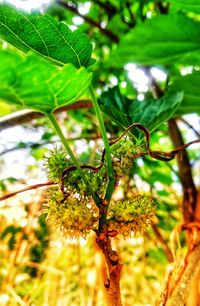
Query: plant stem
114	268
111	177
59	132
103	132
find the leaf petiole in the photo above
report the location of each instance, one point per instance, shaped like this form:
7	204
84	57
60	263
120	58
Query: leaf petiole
110	186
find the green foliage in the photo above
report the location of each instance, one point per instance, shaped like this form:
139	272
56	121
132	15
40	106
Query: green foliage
4	182
189	84
150	113
49	38
38	248
160	40
35	83
187	5
11	231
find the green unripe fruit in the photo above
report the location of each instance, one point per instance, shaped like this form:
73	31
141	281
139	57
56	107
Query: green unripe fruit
72	216
56	162
75	182
123	153
133	215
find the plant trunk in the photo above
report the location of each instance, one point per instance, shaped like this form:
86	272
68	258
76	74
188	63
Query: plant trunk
185	174
112	283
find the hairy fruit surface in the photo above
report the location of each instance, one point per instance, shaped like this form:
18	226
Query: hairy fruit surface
72	216
133	215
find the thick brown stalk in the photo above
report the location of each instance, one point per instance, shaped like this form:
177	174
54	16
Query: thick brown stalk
112	284
192	269
185	174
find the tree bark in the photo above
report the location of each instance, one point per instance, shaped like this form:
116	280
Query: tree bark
185	174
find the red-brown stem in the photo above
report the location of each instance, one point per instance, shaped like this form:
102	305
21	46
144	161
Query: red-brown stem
112	284
12	194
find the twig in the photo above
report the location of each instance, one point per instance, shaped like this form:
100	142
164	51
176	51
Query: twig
165	246
73	8
26	146
110	9
190	126
24	116
12	194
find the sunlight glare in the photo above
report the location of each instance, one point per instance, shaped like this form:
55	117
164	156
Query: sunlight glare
84	8
28	5
138	76
158	74
78	20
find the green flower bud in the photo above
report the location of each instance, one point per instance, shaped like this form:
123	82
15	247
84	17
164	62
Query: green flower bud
71	215
55	163
123	153
131	216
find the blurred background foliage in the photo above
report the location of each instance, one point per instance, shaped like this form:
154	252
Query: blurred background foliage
37	265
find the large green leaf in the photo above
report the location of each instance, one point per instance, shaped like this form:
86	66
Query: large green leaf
150	113
44	35
164	39
35	83
189	84
187	5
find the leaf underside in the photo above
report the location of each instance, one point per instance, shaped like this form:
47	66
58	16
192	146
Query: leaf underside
35	83
44	35
160	40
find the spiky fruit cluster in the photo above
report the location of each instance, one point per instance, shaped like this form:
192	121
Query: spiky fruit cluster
55	163
72	216
131	216
75	182
123	153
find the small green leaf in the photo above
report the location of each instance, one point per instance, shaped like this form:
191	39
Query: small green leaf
45	36
35	83
187	5
189	84
150	113
163	39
